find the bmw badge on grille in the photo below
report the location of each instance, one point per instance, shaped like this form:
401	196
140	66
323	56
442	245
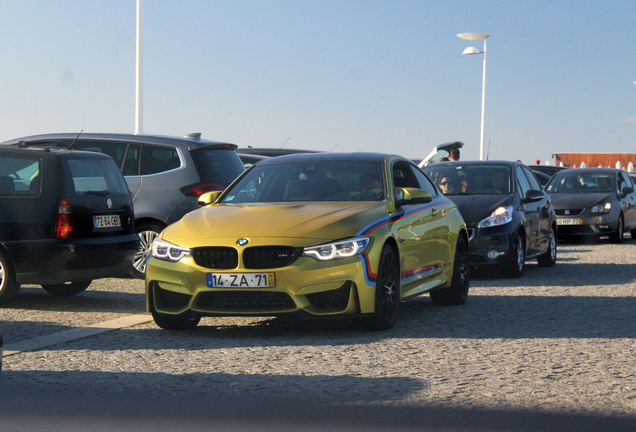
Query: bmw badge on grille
242	242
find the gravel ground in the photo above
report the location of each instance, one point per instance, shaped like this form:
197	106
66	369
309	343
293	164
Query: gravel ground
558	340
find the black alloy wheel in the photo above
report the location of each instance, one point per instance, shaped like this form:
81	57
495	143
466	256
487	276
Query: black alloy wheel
457	293
8	286
548	259
517	259
387	291
67	289
617	236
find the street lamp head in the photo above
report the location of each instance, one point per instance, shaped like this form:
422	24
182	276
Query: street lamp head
473	36
472	50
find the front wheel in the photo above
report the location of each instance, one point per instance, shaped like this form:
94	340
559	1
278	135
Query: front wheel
176	322
67	289
517	260
387	291
457	293
548	259
8	286
617	236
147	233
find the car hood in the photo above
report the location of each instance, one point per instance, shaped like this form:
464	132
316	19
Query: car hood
308	223
475	208
562	201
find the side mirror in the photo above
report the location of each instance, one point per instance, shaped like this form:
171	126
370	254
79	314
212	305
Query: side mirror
208	198
534	195
627	190
412	196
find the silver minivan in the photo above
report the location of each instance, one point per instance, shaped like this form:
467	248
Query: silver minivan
165	174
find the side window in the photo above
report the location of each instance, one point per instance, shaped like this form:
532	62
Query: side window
424	181
403	176
116	150
19	176
131	160
534	184
622	182
156	159
522	182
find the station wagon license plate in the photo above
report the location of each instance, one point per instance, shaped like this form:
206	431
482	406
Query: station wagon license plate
569	221
111	221
241	280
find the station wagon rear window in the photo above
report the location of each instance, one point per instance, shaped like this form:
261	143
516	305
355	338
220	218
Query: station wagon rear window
96	177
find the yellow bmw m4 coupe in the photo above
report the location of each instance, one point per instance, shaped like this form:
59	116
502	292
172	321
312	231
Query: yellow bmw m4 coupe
322	234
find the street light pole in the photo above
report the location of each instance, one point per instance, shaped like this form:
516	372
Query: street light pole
138	86
472	50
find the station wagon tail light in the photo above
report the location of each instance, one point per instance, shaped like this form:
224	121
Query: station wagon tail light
601	208
167	251
501	216
64	220
337	250
199	189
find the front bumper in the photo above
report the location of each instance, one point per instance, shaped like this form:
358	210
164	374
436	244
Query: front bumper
338	287
590	225
494	241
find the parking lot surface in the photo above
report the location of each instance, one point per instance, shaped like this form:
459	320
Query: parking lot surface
558	340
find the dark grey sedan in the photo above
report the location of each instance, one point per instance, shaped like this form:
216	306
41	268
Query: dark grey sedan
593	202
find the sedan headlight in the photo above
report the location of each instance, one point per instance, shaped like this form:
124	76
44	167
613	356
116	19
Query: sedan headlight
167	251
601	208
501	216
337	250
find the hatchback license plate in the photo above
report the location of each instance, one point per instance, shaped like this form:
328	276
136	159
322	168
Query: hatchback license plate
569	221
111	221
241	280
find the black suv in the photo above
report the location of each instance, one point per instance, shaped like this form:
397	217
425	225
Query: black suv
66	218
166	175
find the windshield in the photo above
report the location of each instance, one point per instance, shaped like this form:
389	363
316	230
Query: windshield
581	183
310	181
478	179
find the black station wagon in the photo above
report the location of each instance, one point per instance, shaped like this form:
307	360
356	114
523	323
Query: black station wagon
66	218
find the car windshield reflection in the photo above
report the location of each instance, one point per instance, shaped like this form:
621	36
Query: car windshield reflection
582	183
309	181
474	179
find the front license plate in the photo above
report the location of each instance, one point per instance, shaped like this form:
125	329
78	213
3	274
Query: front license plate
241	280
111	221
569	221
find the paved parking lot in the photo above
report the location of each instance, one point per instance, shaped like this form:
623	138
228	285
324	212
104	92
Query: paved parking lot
559	340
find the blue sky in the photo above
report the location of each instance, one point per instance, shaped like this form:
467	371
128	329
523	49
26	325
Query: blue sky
385	76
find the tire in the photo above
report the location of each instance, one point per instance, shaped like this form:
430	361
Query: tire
617	236
147	233
457	293
548	259
67	289
9	287
387	291
517	261
176	322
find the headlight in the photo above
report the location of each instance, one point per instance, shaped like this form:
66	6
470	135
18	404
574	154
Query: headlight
601	208
337	250
501	216
167	251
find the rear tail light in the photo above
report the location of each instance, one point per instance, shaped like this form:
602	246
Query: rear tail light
199	189
64	222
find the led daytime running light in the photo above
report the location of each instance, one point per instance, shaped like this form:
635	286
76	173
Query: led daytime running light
166	251
337	250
